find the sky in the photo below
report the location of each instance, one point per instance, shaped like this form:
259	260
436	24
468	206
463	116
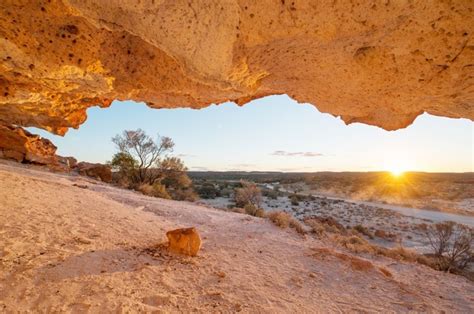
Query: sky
276	133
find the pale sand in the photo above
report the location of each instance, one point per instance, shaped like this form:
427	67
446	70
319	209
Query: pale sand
66	248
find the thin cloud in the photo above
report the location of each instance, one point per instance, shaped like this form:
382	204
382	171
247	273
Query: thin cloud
296	154
243	165
185	155
198	168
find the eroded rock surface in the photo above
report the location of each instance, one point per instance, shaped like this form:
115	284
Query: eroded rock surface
22	146
377	62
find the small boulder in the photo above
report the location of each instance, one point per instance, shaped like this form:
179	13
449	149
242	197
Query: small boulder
67	162
184	241
98	171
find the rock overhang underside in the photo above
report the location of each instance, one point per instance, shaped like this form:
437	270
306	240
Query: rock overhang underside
381	63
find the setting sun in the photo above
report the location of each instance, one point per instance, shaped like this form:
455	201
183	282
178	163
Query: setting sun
397	172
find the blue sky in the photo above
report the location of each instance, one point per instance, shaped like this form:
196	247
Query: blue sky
276	133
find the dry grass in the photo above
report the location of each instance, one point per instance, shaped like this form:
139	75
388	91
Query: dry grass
146	189
363	230
359	245
354	243
356	263
285	220
322	225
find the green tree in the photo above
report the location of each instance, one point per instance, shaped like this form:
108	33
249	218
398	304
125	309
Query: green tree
146	152
146	165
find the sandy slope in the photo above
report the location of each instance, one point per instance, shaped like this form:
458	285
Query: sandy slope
66	248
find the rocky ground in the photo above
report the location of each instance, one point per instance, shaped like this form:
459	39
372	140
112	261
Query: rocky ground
384	227
68	243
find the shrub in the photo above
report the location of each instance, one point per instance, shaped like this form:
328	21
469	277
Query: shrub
295	224
354	243
208	191
363	230
238	210
252	210
285	220
159	190
316	227
260	213
280	218
156	190
327	224
146	189
452	245
187	194
249	193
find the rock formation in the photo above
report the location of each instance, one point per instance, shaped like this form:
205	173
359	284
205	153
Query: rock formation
97	171
22	146
377	62
184	241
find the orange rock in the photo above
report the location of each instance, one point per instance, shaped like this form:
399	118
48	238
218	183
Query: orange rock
376	62
20	145
184	241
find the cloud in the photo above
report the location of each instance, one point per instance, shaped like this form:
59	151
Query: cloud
185	155
243	165
296	154
198	168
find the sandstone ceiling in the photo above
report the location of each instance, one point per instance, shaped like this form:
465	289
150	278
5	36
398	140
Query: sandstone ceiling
376	62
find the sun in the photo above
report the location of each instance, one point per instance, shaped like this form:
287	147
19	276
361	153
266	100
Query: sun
397	172
398	165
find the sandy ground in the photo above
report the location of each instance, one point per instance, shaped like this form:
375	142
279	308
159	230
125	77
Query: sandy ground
405	230
92	248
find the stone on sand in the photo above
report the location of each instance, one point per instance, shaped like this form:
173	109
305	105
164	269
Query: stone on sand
184	241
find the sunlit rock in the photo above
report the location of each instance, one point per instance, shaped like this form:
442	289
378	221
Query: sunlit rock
184	241
376	62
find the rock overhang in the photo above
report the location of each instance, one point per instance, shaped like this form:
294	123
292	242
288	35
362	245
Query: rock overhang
376	62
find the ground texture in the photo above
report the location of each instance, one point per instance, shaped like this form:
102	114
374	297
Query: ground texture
68	243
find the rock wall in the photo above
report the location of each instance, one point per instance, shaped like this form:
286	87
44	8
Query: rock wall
377	62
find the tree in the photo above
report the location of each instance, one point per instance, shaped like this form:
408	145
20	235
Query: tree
144	164
125	166
147	153
208	190
249	193
172	174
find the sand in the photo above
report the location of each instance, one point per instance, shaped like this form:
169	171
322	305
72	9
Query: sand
71	244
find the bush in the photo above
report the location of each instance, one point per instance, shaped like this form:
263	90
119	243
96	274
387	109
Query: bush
280	218
316	227
249	193
208	191
250	209
146	189
260	212
156	190
327	224
238	210
452	245
187	194
363	230
285	220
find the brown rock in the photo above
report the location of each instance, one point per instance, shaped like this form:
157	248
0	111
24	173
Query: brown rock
68	162
184	241
22	146
380	63
97	171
